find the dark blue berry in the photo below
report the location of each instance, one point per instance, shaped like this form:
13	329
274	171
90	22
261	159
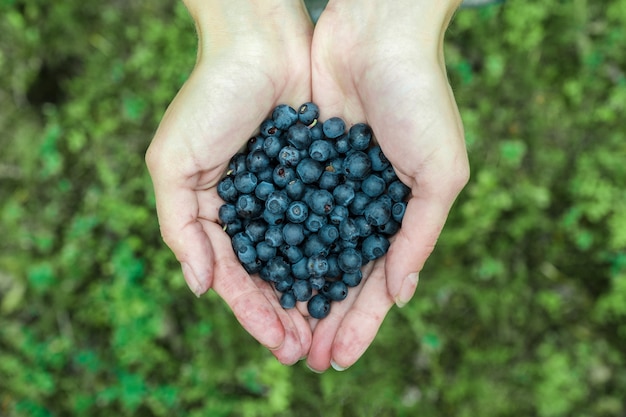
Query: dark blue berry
398	191
349	260
272	146
226	190
278	269
378	158
352	279
378	212
339	214
246	253
263	190
360	136
313	246
240	240
299	136
227	213
295	189
321	202
289	156
314	222
328	234
335	290
309	170
284	116
318	306
390	228
282	175
321	150
357	165
343	194
283	284
308	113
329	180
342	144
373	185
248	206
237	164
277	202
317	283
348	229
257	161
316	131
302	290
274	236
273	219
398	210
264	251
317	266
268	128
297	212
300	269
293	233
256	229
255	143
333	267
334	127
360	201
288	300
245	182
374	246
292	253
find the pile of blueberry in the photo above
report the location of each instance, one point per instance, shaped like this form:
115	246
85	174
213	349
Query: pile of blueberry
309	203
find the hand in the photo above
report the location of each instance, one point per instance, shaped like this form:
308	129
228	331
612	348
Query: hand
381	62
257	56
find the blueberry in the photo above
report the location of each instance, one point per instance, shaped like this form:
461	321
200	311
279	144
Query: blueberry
329	180
373	185
390	228
300	269
255	143
314	222
265	174
299	136
302	290
297	212
289	156
365	229
248	206
273	219
378	212
349	260
328	234
398	210
360	201
246	253
389	174
239	240
284	116
278	269
348	229
321	202
295	189
253	267
398	191
333	267
256	229
272	146
321	150
308	113
318	306
360	136
342	144
357	165
268	128
227	213
374	247
245	182
282	175
264	251
288	300
317	266
352	279
257	161
291	252
309	170
263	190
317	283
226	190
277	202
316	131
339	214
237	164
335	290
293	233
334	127
274	236
313	246
378	158
234	227
343	194
283	284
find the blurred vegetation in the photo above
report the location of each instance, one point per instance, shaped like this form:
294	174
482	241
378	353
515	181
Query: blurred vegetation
521	310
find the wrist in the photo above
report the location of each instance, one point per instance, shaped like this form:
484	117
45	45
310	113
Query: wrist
223	24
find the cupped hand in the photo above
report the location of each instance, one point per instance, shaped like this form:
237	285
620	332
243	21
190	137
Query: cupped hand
250	58
382	62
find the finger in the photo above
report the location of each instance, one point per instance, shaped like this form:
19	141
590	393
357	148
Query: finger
325	331
361	323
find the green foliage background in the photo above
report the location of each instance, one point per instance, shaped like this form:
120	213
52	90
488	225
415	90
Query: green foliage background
521	310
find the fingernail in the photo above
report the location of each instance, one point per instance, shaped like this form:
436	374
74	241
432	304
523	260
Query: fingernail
407	290
191	279
314	370
337	367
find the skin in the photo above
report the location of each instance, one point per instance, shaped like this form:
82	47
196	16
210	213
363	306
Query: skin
255	55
